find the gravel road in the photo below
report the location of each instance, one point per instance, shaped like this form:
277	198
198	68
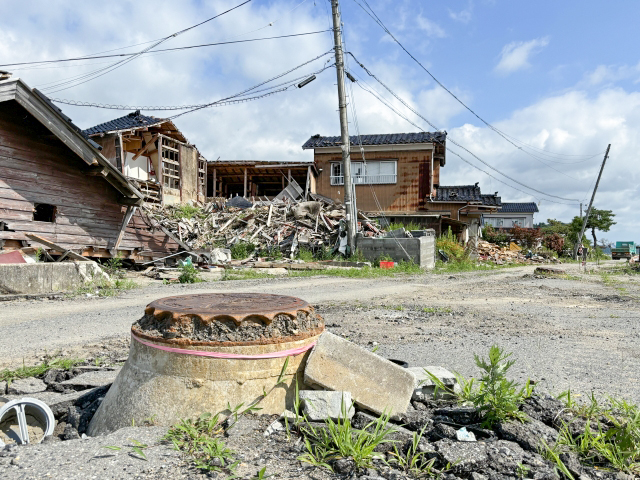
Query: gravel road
580	334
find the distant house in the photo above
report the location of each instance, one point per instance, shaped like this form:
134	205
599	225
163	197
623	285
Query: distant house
56	184
155	155
511	215
394	175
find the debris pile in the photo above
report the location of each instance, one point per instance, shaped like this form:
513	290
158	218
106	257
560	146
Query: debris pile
269	225
490	252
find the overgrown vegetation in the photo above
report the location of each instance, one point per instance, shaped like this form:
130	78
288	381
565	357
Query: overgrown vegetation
611	437
241	250
189	274
340	440
38	370
187	211
495	397
415	462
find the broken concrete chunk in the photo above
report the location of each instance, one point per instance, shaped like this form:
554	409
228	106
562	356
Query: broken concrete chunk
320	405
3	388
375	383
98	378
465	457
26	386
424	385
528	435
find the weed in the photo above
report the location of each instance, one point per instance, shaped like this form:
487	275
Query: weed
187	211
305	255
414	461
522	471
407	226
262	474
138	448
38	370
113	267
242	250
356	256
189	274
39	254
341	440
437	310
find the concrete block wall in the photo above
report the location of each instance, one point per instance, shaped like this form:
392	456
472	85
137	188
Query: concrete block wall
34	278
421	250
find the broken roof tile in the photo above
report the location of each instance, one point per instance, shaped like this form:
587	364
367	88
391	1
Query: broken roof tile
317	141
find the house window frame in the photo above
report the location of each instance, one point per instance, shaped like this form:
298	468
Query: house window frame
362	178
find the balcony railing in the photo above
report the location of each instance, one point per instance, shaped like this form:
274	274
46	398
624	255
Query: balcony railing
366	179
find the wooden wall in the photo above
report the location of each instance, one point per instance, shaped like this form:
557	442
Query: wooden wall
35	167
407	195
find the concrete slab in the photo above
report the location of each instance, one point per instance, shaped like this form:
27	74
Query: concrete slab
320	405
425	387
26	386
375	383
97	378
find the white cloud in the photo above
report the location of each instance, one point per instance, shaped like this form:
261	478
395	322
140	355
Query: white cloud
431	28
515	55
463	16
609	74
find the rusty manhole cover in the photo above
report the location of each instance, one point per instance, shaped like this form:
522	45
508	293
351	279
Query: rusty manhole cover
237	306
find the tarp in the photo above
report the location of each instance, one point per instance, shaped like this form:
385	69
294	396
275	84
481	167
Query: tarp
12	257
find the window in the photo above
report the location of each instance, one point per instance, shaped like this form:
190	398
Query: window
202	175
43	212
170	164
373	172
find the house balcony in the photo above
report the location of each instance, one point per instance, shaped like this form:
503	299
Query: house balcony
366	179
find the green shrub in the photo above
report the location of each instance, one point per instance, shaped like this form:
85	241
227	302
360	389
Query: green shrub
499	237
305	254
242	250
450	245
189	274
186	211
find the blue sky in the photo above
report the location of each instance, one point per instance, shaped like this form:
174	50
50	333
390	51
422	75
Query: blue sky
561	76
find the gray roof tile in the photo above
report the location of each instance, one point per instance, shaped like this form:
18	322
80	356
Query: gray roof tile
318	141
466	193
527	207
132	120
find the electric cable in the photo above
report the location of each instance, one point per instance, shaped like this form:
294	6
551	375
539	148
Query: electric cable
376	19
103	71
453	141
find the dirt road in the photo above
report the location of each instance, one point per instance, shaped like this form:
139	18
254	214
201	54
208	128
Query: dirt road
581	333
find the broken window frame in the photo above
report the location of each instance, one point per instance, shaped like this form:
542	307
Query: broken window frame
170	164
202	176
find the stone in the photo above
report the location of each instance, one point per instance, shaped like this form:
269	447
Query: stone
73	416
504	456
572	462
459	415
59	402
465	457
320	405
243	426
344	465
70	433
376	384
274	428
417	420
3	388
26	386
528	435
543	407
425	388
442	430
98	378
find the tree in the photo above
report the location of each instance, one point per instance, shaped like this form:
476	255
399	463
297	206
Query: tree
598	220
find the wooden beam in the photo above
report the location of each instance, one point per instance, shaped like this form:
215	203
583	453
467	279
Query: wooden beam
146	147
245	183
125	221
306	187
215	185
129	201
47	243
97	171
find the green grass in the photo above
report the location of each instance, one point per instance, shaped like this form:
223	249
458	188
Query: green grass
363	272
305	255
189	274
104	288
38	370
242	250
187	211
468	265
437	310
406	226
243	274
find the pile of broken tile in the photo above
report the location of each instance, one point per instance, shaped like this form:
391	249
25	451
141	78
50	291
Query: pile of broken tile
277	224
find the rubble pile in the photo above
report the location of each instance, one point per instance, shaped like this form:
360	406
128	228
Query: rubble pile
490	252
267	225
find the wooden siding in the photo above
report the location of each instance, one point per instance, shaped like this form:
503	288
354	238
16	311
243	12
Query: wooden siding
408	194
35	167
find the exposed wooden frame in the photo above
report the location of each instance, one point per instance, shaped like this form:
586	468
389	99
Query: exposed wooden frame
54	246
214	181
146	147
125	221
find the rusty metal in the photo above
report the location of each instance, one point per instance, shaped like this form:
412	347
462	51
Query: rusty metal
223	306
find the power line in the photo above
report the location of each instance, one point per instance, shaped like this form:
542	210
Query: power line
218	103
453	141
187	47
103	71
200	107
376	19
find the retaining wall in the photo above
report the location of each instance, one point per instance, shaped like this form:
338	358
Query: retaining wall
46	277
420	250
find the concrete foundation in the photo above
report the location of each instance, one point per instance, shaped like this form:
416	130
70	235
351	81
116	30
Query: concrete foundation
34	278
421	250
168	386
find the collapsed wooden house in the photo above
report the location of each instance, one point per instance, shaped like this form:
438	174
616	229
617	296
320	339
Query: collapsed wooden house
55	183
155	156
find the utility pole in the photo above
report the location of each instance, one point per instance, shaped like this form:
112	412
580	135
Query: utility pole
593	195
580	209
344	129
